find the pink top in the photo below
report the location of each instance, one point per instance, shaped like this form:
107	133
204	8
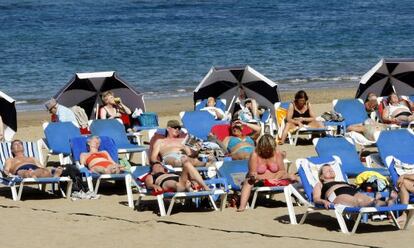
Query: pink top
263	166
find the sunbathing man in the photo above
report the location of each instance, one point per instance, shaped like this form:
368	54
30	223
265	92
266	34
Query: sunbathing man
172	149
160	180
212	109
26	167
99	161
328	191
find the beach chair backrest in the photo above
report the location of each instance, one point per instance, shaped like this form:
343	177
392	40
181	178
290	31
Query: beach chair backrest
341	147
352	110
30	150
308	170
198	123
397	143
234	172
79	145
58	136
111	128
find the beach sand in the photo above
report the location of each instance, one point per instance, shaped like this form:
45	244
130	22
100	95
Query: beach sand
43	220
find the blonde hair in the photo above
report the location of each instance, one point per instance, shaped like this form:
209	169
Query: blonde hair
266	146
320	172
105	94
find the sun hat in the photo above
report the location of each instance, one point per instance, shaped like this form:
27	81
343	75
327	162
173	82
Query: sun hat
50	104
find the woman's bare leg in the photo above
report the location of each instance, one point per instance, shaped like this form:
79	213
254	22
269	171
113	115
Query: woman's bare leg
358	200
316	124
359	128
190	173
245	194
286	130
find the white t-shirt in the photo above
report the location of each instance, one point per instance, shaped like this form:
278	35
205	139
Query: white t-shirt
212	111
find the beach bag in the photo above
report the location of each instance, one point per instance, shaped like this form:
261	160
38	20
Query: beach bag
148	119
371	181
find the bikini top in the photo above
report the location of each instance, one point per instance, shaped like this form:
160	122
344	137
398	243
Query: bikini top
234	141
96	155
328	185
297	114
263	166
108	115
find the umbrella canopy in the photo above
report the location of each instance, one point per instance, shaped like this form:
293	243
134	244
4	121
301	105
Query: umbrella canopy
8	115
387	76
84	90
227	83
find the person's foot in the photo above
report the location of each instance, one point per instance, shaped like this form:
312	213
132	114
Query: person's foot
58	172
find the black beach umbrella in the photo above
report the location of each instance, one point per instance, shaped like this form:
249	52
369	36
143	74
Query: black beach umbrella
8	115
85	90
227	83
387	76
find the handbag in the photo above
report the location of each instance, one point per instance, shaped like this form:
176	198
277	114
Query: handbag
148	119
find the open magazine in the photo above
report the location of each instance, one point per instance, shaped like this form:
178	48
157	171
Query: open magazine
193	142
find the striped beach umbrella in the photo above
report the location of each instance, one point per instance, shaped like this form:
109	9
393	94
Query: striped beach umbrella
228	82
8	115
84	90
387	76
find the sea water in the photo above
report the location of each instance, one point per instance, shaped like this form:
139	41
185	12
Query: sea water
164	48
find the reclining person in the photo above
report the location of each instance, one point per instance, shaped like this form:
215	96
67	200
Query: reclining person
212	109
237	144
26	167
160	180
328	191
172	149
99	161
397	111
405	185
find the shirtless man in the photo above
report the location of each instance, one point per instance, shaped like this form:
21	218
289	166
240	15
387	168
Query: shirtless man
25	167
172	149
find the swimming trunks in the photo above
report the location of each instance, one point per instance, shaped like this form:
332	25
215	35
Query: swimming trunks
27	167
172	155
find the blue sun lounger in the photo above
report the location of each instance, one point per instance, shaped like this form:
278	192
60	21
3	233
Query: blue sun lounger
308	172
16	183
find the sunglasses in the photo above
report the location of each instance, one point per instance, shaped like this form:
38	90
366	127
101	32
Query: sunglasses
177	127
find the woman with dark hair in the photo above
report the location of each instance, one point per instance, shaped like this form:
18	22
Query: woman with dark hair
265	165
299	114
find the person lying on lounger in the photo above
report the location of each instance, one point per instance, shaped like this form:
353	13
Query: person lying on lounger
212	109
172	149
26	167
99	161
397	111
328	191
160	180
265	164
237	144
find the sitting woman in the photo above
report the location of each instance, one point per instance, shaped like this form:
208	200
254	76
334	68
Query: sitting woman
212	109
405	185
328	191
265	163
160	180
113	108
298	115
237	144
99	161
397	111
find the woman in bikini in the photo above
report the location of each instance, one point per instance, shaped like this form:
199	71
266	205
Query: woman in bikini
299	114
237	144
265	163
397	111
99	161
113	107
328	191
160	180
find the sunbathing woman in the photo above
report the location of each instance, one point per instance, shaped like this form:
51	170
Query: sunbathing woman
405	185
160	180
237	144
265	163
99	161
328	191
397	111
299	114
212	109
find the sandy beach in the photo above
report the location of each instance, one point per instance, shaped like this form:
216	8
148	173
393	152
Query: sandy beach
43	220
